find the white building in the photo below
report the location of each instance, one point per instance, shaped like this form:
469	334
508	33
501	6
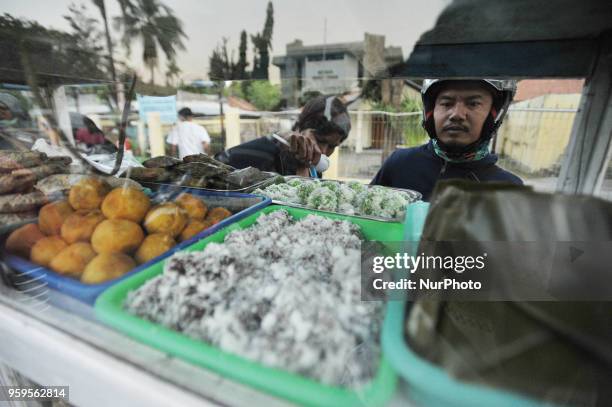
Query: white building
332	68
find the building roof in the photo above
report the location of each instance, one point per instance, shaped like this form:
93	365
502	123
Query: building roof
241	104
532	88
296	49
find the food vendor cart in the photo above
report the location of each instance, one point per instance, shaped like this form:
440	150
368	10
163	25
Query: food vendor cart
54	339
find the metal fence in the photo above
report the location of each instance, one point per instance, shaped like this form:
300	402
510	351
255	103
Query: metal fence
374	136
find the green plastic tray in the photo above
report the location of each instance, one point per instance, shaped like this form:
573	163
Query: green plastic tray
298	389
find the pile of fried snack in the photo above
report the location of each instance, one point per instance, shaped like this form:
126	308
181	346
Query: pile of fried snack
19	172
101	233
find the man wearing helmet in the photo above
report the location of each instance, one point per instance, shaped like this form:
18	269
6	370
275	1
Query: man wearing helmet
461	117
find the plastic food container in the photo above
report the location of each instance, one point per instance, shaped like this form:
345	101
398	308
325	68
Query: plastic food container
296	388
414	197
241	205
428	384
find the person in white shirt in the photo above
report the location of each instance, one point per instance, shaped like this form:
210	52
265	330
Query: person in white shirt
190	138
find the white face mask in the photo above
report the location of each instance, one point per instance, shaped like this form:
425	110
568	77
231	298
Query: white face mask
323	163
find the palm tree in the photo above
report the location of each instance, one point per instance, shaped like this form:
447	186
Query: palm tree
172	73
109	43
155	25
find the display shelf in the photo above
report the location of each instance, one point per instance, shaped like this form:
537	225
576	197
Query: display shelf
55	340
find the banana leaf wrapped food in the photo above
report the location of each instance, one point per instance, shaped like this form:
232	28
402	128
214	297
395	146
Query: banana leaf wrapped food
558	351
198	171
162	161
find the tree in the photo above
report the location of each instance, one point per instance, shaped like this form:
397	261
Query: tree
109	43
155	25
242	63
241	68
87	37
262	42
264	95
31	51
269	24
172	73
221	67
44	58
235	89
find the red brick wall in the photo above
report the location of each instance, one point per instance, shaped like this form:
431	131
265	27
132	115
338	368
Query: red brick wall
532	88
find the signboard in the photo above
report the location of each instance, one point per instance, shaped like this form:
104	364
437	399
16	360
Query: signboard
164	105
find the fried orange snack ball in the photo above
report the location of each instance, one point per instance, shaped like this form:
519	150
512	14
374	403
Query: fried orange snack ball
21	241
117	235
88	194
166	218
52	216
107	266
216	215
194	227
73	259
46	249
195	207
79	226
154	245
126	203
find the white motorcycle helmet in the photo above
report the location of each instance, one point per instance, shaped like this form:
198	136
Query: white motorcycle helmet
503	92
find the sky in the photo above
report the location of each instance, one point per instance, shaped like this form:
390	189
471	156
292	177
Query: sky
207	22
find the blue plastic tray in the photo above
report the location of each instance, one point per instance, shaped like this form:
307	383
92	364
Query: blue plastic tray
428	384
242	205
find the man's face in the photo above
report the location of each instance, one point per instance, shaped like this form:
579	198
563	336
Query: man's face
460	112
328	142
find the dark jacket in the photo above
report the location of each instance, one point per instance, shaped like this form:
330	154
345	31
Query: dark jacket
262	153
419	168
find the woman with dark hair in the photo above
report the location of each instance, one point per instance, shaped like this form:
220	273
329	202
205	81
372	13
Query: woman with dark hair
322	126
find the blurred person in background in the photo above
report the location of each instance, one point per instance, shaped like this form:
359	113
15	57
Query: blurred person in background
14	121
12	113
323	125
188	137
92	139
89	134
